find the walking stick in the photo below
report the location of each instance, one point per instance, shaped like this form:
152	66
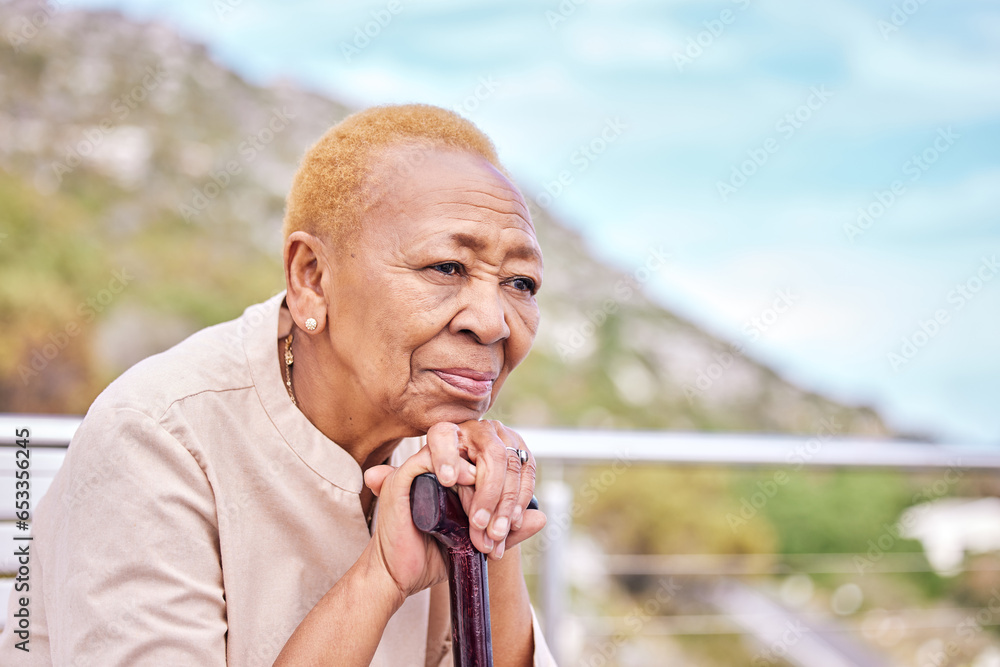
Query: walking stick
438	511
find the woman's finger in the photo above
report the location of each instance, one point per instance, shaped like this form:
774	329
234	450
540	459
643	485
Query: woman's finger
484	447
496	489
532	523
449	466
526	472
507	510
375	477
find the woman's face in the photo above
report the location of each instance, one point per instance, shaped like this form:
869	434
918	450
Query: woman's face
434	305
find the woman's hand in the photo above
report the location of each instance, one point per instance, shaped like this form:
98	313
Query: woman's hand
494	486
497	502
409	556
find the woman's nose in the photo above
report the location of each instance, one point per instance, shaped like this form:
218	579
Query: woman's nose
482	313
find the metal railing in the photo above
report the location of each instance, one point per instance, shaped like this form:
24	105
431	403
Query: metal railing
558	449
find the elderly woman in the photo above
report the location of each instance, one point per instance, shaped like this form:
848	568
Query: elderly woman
242	498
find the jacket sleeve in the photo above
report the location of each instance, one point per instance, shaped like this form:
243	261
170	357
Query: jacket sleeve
130	551
543	657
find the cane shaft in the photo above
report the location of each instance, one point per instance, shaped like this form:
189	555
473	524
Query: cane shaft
438	512
472	643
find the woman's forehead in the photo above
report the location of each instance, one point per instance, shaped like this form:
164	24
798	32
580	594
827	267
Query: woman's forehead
513	243
495	238
443	175
456	198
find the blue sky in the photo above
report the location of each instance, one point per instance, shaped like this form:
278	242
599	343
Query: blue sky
826	105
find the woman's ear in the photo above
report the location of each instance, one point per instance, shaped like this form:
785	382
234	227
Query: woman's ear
306	269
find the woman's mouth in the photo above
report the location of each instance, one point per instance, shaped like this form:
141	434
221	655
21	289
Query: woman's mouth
472	382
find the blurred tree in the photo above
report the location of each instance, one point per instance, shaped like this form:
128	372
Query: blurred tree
50	264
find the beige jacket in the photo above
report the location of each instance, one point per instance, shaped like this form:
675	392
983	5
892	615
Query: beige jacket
199	516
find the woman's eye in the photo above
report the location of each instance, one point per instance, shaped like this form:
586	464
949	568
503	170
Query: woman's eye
523	284
449	268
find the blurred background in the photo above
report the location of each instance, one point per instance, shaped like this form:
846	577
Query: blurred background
760	217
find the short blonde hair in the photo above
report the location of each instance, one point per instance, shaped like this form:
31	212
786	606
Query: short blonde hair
337	181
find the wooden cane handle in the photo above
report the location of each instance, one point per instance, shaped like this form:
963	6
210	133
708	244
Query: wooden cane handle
438	512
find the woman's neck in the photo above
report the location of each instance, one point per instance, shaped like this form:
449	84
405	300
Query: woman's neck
341	413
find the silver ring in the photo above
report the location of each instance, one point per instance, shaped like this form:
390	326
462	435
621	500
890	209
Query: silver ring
522	455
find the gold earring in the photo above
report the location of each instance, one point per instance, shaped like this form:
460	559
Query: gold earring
310	324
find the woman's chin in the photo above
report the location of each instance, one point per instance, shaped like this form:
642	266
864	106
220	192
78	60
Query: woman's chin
455	414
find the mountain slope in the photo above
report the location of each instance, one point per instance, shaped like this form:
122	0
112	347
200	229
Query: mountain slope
174	170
